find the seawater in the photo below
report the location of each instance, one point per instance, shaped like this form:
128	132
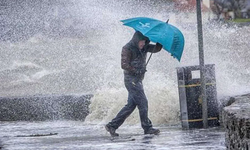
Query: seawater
89	63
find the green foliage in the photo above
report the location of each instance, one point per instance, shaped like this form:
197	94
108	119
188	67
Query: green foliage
241	20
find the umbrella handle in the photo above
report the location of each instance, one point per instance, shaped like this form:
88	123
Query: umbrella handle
149	58
153	51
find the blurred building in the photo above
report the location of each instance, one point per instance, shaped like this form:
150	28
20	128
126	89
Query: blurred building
222	9
190	5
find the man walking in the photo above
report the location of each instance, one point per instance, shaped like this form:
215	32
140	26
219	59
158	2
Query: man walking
133	62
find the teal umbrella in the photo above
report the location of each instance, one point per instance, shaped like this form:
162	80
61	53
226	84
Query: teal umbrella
158	31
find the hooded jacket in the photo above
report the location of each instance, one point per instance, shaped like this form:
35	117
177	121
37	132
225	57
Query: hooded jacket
133	59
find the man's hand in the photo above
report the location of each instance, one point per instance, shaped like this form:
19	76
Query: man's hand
158	44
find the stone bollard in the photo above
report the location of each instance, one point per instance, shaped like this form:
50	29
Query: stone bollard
236	120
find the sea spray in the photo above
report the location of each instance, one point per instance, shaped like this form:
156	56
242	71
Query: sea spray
75	48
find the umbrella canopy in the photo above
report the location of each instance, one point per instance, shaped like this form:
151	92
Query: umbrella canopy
158	31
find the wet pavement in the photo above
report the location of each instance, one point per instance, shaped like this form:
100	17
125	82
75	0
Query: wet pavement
77	135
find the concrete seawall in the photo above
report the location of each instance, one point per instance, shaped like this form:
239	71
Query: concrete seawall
45	107
235	116
236	121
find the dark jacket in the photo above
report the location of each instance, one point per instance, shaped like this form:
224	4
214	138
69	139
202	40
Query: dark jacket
133	59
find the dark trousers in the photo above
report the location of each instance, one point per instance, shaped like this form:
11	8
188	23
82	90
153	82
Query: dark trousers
136	97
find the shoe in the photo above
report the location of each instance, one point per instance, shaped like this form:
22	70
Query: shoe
152	131
111	130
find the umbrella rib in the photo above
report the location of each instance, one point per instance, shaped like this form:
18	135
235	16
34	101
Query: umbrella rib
152	28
